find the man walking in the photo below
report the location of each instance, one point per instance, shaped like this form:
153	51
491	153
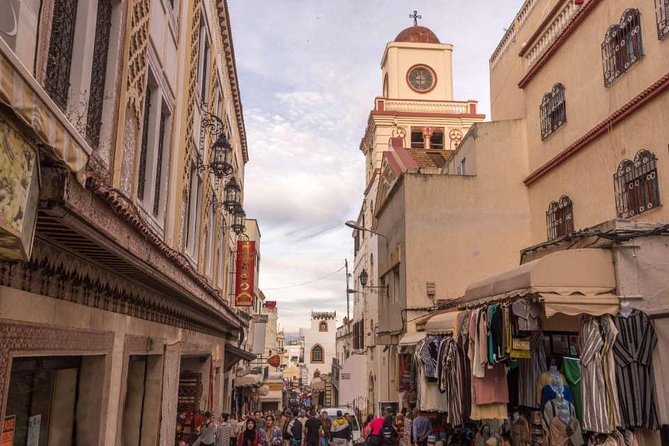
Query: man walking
312	427
340	430
326	425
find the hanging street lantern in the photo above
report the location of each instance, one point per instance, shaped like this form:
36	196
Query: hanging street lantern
221	151
238	220
232	195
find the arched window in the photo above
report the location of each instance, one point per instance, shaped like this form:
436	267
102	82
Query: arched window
317	353
636	185
560	218
662	14
622	46
323	326
553	110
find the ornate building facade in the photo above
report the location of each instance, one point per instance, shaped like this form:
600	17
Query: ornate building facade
122	150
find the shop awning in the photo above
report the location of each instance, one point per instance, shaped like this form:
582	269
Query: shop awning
272	395
410	339
250	380
21	92
441	323
317	384
575	281
235	354
263	390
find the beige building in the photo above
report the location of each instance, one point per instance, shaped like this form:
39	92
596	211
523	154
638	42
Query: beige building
122	131
416	109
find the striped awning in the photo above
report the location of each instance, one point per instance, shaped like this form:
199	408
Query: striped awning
20	91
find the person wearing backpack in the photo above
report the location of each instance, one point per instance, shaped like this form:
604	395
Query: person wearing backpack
389	435
295	431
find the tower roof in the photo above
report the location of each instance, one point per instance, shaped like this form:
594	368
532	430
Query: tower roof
417	34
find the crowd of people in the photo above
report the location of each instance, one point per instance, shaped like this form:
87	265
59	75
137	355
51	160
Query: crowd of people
287	428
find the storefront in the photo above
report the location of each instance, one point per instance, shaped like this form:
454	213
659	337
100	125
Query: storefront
541	354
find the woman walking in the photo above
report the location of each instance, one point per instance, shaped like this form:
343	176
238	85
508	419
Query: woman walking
250	436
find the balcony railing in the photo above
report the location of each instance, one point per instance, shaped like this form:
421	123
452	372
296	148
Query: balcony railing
422	106
512	30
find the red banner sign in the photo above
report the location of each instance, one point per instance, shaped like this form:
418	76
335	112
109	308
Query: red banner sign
245	273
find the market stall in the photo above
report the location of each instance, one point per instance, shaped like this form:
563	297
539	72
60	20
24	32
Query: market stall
544	354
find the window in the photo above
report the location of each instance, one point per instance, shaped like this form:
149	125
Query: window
193	212
59	61
622	46
203	61
317	353
417	139
210	238
560	218
359	335
153	158
437	140
461	169
99	71
662	14
553	111
636	185
323	326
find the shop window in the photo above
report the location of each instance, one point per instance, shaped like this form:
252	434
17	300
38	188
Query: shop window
622	46
553	111
662	14
323	326
142	403
636	185
560	218
317	354
51	399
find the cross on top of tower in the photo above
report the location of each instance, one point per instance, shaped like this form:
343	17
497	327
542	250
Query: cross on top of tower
415	17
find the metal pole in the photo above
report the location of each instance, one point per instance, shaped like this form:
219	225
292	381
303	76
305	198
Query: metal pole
347	292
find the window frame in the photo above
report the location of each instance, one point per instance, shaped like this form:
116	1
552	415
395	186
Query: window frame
637	181
553	110
322	324
662	16
317	348
560	218
618	58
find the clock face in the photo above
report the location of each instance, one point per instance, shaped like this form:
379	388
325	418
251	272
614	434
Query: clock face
421	78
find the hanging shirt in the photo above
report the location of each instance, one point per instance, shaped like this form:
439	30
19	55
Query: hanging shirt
526	314
493	387
633	354
529	371
595	413
609	334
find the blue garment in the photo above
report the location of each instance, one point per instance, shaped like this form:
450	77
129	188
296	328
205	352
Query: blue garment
548	393
421	427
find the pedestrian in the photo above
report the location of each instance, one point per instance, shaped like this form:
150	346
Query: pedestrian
207	435
250	436
295	430
234	423
421	428
340	430
224	432
303	417
260	420
374	427
399	425
287	418
272	433
389	435
312	430
326	425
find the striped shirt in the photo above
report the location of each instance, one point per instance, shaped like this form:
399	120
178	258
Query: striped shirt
633	352
595	413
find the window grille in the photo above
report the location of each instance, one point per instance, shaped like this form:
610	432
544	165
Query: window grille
437	140
560	218
636	185
622	46
141	182
59	60
99	71
417	141
662	14
553	110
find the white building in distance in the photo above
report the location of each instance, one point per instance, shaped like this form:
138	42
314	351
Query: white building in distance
319	342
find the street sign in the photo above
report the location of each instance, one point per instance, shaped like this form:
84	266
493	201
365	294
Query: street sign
274	361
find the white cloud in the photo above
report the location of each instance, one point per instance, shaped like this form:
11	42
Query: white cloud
309	72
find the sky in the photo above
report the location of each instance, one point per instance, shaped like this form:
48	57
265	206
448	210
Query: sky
309	71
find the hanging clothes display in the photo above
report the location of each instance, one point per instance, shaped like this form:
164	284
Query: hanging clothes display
530	370
609	334
633	352
595	413
430	398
